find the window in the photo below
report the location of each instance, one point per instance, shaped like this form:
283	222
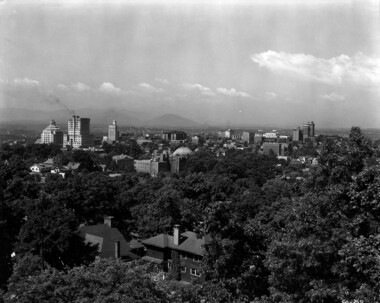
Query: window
183	255
183	269
197	258
195	272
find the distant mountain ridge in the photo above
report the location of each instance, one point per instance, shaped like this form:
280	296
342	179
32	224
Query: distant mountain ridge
97	116
171	120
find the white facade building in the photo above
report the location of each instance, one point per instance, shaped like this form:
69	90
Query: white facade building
52	134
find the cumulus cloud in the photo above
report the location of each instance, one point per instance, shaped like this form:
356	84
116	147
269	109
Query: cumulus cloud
109	88
232	92
26	82
62	86
203	90
358	69
150	88
333	97
271	95
161	80
80	87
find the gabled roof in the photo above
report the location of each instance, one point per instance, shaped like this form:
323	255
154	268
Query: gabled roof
73	165
49	162
105	237
188	242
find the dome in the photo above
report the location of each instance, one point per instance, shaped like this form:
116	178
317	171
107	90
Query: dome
183	152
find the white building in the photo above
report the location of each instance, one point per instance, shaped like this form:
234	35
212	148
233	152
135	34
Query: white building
52	134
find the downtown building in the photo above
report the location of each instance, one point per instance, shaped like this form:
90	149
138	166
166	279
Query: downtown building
52	134
307	132
113	132
78	133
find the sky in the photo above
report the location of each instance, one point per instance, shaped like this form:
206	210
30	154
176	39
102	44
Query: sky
247	62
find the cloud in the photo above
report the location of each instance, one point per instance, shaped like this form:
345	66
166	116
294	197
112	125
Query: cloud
80	87
150	88
161	80
203	90
232	92
62	86
358	69
333	97
271	95
26	82
109	88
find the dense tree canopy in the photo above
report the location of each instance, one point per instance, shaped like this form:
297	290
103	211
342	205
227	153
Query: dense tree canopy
268	239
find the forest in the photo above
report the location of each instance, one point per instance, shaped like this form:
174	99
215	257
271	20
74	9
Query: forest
272	239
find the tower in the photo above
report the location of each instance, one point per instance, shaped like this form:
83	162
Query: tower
78	132
52	134
113	133
306	131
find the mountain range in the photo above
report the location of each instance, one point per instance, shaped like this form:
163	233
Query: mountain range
98	117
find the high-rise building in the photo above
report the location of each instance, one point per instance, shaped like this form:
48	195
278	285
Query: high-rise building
52	134
297	134
312	129
306	131
78	132
113	133
248	137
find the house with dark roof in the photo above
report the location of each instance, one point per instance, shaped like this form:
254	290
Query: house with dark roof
111	243
187	244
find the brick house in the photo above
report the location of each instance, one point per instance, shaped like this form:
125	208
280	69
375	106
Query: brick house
111	243
189	247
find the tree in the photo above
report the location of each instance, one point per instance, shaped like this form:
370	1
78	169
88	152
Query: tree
51	231
105	280
328	249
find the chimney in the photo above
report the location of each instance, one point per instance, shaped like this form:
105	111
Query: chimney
176	235
117	249
108	220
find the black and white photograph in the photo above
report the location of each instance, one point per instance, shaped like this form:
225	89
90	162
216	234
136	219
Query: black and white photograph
191	151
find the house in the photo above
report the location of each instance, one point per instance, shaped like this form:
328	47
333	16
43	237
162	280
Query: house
60	171
49	163
124	162
39	168
74	166
187	244
111	243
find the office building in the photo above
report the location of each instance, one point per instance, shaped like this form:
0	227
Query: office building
297	134
113	133
248	137
52	134
78	132
308	130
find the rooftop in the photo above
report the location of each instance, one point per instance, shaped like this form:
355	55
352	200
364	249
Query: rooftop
188	242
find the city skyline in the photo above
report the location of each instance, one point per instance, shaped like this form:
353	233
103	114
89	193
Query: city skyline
248	62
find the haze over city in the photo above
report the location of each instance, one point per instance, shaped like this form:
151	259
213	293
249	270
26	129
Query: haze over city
247	62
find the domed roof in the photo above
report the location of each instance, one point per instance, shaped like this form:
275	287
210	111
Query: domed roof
183	151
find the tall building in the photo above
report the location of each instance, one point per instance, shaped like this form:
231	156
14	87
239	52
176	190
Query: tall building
248	137
308	130
297	134
113	133
312	129
52	134
78	132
